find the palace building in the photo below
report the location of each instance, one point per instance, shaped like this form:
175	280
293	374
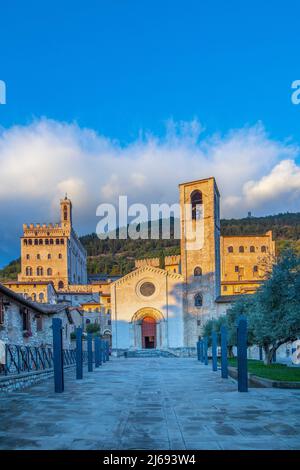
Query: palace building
53	252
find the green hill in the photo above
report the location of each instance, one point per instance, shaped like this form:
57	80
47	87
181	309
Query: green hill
114	257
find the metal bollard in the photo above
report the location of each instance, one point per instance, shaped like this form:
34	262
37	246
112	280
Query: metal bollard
224	361
242	355
79	358
214	351
58	359
90	352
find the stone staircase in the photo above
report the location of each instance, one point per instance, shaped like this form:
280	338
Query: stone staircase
150	353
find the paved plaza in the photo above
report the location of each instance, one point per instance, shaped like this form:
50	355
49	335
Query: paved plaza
150	403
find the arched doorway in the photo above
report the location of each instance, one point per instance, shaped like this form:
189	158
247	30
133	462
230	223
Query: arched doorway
148	329
149	333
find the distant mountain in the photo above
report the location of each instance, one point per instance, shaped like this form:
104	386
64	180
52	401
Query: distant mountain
115	257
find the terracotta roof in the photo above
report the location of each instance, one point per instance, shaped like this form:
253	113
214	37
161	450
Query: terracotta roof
37	307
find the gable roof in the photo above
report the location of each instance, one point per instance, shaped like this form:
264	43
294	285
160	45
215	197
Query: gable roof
45	309
148	269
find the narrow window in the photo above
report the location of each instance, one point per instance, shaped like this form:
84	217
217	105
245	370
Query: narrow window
39	323
39	271
263	249
198	300
230	249
49	272
60	285
241	249
236	268
196	202
252	249
197	271
25	319
255	269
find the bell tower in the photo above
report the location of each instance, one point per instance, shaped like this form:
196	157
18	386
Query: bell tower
200	254
66	213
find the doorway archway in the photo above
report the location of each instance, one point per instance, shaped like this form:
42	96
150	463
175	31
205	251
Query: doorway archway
148	329
149	333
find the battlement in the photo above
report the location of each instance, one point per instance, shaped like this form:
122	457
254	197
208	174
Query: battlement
40	226
140	263
172	260
154	262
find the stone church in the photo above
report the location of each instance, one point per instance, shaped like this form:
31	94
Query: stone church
167	308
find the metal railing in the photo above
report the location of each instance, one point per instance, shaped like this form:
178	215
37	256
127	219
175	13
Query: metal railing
19	359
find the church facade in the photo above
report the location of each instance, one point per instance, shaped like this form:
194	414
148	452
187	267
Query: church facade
167	308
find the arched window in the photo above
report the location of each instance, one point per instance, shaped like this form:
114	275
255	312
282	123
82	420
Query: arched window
252	249
59	255
46	241
38	256
62	241
41	296
27	256
49	256
49	272
198	300
25	242
241	249
29	241
36	242
33	296
40	241
263	249
51	241
230	249
39	271
57	241
60	285
197	271
255	269
196	201
65	213
28	271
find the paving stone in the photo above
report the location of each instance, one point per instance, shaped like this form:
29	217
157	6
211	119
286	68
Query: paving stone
150	403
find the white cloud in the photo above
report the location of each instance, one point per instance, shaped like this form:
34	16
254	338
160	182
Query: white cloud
42	161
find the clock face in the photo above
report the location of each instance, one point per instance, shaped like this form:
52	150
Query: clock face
147	289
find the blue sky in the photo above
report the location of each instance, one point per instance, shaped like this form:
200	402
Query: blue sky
194	87
121	65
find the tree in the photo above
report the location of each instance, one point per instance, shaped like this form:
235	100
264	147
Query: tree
92	328
275	317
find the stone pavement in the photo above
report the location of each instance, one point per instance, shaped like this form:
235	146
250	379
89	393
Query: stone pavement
150	403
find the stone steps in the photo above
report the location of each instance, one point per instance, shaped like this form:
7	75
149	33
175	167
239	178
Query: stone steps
150	353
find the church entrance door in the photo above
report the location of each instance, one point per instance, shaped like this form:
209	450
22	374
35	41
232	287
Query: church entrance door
148	333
